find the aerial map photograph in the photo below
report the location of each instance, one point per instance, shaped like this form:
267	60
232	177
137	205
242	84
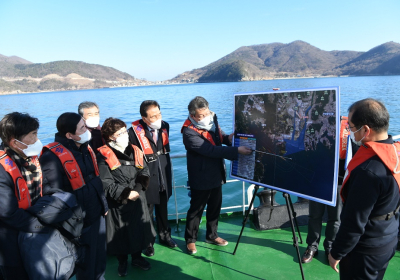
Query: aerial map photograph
292	135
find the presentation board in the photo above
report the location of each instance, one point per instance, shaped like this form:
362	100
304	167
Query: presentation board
294	137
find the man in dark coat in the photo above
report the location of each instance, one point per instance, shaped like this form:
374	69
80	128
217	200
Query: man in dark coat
367	236
74	136
90	112
20	147
203	141
151	135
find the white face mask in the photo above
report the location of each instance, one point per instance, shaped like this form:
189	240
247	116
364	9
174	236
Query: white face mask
86	136
123	141
92	122
33	149
156	124
205	121
352	137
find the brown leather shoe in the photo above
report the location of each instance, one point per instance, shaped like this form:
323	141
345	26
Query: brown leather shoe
217	241
308	255
191	248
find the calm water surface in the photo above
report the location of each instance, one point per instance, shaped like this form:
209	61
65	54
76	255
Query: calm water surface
124	103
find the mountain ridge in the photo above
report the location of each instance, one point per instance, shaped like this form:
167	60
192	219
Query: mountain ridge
295	59
19	75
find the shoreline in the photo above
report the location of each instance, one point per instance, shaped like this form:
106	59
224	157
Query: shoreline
170	83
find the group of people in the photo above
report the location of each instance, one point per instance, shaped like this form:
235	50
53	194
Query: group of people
362	229
95	189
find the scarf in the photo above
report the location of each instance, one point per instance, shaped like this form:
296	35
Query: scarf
31	173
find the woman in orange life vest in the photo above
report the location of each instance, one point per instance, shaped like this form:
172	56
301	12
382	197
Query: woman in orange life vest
69	164
20	188
125	177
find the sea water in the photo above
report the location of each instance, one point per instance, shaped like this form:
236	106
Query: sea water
124	103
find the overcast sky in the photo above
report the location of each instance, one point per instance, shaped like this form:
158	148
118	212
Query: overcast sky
158	40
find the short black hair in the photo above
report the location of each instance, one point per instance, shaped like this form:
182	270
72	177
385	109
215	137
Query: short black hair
67	122
197	103
86	105
110	126
370	112
145	106
17	125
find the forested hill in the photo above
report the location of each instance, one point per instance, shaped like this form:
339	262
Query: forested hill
20	75
64	68
296	59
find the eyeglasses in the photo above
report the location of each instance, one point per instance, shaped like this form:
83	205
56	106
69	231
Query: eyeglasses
155	117
121	133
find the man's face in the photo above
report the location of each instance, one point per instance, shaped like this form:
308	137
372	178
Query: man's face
153	115
201	114
91	112
358	133
27	139
80	129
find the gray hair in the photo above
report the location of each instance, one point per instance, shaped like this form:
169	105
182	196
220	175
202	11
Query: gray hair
197	103
86	105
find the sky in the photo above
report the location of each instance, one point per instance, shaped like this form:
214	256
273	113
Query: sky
159	39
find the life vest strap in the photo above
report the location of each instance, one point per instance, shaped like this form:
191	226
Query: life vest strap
20	186
145	145
71	167
386	216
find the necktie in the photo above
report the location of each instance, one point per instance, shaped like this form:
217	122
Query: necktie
153	132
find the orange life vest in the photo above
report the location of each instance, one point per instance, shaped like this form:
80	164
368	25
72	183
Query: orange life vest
206	135
21	188
149	154
113	161
343	136
389	154
70	165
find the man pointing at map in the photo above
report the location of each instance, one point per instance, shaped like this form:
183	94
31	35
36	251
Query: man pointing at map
203	139
367	236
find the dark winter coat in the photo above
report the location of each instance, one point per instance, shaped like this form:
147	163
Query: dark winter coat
91	197
129	228
160	170
51	255
371	191
12	220
97	140
205	162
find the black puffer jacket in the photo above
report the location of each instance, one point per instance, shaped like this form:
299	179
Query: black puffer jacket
90	197
205	162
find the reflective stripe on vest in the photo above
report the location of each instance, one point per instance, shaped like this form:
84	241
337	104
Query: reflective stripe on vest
388	153
70	165
343	135
112	160
21	188
206	135
145	145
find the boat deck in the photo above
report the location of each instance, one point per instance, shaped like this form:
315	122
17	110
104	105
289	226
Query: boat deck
268	254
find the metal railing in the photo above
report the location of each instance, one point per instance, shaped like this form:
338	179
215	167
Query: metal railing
243	206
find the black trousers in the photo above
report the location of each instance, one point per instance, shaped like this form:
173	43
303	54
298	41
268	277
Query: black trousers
366	267
316	213
94	240
200	198
163	229
124	258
